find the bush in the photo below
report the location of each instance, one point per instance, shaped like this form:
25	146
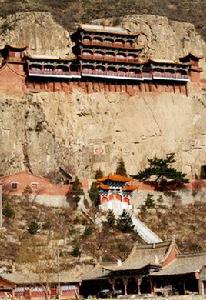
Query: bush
88	231
33	227
94	193
8	212
149	202
111	218
124	222
121	170
76	251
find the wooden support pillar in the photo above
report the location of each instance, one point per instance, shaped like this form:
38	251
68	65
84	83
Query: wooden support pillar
138	280
125	282
112	282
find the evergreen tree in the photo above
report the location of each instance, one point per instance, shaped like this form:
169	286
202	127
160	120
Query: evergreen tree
111	218
8	212
121	170
33	227
149	202
76	251
124	222
162	171
98	174
76	192
94	193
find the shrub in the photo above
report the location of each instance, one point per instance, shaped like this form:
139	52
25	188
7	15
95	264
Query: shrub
8	212
88	231
76	251
111	218
149	202
124	222
33	227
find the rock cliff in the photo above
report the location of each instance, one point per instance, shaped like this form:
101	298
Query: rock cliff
80	131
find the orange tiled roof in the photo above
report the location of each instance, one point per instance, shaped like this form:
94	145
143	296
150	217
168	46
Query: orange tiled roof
115	177
104	186
130	188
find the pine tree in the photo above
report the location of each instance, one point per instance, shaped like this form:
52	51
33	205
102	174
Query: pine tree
94	193
162	171
8	212
149	202
98	174
33	227
111	218
124	222
121	170
76	192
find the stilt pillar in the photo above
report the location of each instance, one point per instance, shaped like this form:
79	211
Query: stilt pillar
125	282
138	280
112	282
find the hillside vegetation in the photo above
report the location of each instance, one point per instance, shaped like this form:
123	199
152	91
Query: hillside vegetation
67	12
82	243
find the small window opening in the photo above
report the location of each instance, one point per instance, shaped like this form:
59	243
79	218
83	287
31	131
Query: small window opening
14	185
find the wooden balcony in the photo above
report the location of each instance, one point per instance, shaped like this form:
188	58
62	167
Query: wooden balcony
111	45
106	58
170	76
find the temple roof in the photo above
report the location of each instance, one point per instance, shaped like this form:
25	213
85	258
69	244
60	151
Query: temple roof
105	29
9	47
115	177
190	55
27	278
184	264
144	255
98	272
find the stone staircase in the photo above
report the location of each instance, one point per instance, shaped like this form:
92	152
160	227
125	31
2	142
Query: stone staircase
144	232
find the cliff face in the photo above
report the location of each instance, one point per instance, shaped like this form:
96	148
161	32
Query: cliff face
82	132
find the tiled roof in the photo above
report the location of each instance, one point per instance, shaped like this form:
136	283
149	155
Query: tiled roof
27	278
101	28
184	264
115	177
97	273
143	255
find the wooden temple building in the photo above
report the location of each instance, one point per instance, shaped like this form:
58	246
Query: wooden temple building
157	269
105	59
115	192
20	285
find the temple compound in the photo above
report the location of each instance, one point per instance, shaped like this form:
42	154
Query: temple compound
104	59
157	269
115	193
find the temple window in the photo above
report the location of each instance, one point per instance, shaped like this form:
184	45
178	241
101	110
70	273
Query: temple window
108	40
120	55
74	68
65	69
111	71
86	38
97	39
122	72
14	185
132	56
100	69
119	41
49	69
35	68
59	70
88	69
129	42
110	54
98	53
87	53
